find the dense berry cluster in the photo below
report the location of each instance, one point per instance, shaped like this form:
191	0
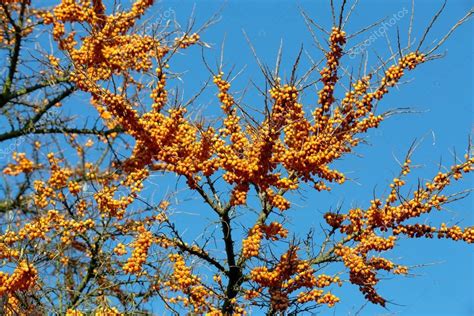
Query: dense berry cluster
139	253
21	165
251	244
289	275
329	77
194	294
23	278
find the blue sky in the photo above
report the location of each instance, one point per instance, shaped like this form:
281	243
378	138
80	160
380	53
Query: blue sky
441	92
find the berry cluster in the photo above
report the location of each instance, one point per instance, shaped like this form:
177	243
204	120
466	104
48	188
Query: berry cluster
139	253
187	40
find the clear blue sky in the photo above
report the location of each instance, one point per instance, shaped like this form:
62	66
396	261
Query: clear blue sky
441	90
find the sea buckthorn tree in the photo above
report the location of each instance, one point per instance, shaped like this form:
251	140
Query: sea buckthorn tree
34	85
92	242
